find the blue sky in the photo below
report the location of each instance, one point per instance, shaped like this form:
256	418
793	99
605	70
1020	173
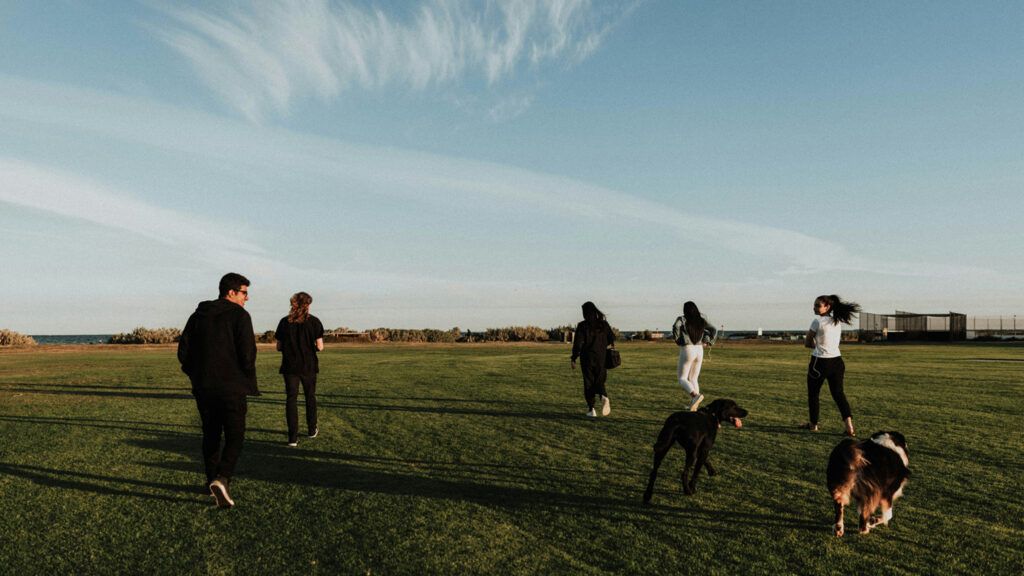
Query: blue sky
479	164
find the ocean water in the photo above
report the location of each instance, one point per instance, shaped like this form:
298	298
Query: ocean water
71	338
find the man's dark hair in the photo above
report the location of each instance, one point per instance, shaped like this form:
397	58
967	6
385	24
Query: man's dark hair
232	281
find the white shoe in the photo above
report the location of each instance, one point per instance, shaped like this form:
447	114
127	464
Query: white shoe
695	402
219	491
606	409
592	414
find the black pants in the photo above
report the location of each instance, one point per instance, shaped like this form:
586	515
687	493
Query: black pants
221	416
594	376
291	409
818	371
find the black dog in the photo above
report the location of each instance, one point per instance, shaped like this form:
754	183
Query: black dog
695	432
873	472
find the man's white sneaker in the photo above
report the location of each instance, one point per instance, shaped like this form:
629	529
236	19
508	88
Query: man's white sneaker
695	402
606	409
592	413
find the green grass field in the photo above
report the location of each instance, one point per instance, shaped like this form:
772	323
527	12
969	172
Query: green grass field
477	459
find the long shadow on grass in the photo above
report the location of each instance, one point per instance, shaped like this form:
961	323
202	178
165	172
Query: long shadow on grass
272	463
95	483
53	389
92	386
533	415
777	429
129	425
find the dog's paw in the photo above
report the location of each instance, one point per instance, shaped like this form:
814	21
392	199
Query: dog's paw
877	521
839	530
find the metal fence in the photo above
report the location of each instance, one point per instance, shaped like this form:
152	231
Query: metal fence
911	326
1009	325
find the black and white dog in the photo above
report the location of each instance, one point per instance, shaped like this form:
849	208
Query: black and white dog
873	472
695	432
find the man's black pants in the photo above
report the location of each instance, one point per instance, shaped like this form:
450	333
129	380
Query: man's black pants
221	416
291	387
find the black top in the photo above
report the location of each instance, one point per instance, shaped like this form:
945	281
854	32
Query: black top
217	350
589	342
298	345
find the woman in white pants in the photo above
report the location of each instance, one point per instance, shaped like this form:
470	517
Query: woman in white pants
691	331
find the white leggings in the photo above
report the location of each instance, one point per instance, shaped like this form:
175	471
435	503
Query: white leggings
691	357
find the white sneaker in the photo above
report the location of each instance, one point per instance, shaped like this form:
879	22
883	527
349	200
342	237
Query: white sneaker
219	491
695	402
606	409
592	414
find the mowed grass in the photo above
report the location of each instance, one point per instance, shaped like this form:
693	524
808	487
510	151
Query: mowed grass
477	459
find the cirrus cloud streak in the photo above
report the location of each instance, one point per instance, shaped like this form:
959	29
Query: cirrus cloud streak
259	57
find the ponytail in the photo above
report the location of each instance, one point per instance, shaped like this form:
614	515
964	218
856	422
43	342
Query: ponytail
840	311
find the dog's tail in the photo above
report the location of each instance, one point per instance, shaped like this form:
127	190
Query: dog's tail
844	463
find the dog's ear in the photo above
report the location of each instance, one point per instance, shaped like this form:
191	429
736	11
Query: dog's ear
716	406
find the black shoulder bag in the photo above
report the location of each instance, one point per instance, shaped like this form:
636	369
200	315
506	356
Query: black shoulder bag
612	358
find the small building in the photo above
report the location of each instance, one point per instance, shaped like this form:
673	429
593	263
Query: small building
910	326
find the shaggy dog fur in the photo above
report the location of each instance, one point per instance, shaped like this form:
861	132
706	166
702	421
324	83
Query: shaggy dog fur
873	472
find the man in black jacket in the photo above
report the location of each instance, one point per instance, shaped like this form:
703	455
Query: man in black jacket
217	350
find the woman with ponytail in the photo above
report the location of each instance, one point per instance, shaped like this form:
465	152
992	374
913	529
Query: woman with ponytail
826	363
691	331
300	335
592	338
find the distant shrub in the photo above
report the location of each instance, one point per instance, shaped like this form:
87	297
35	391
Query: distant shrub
413	335
561	333
12	338
572	330
515	334
345	334
147	336
267	337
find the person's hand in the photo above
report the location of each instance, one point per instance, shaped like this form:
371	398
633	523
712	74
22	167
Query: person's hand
573	364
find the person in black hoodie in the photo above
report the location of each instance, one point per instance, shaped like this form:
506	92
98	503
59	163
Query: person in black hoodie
300	335
217	350
589	343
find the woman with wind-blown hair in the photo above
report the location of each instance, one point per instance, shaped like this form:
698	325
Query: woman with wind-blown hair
589	344
300	335
826	363
691	331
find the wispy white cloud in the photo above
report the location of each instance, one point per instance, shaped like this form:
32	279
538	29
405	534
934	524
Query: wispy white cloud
55	191
259	56
463	185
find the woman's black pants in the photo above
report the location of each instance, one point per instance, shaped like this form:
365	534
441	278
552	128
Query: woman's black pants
818	371
594	377
291	387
